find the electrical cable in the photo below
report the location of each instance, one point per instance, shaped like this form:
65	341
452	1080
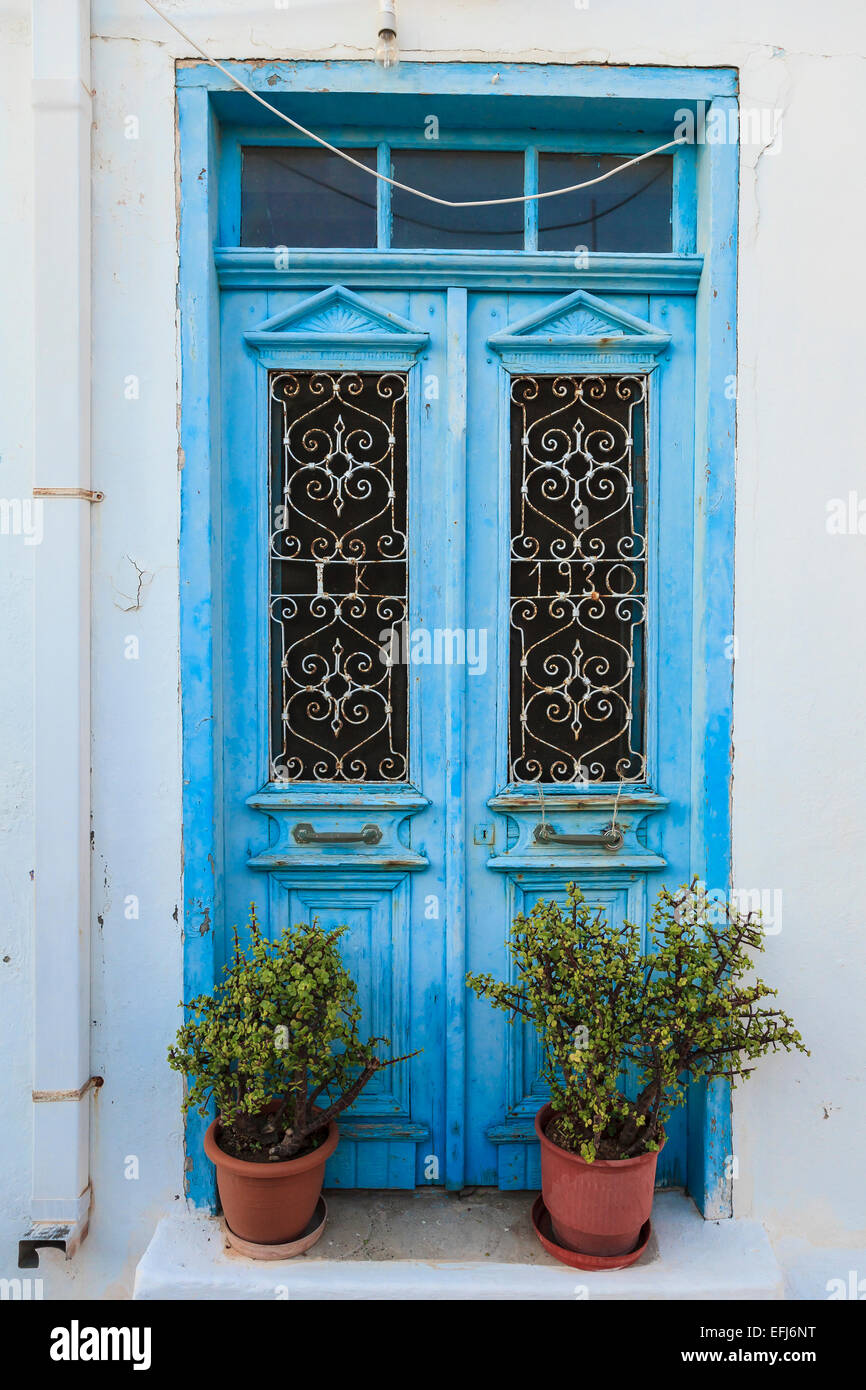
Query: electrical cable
384	178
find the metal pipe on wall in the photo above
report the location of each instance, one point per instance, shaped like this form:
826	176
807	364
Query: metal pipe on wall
62	1082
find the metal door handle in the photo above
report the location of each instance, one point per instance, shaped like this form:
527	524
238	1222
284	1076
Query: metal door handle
304	834
610	838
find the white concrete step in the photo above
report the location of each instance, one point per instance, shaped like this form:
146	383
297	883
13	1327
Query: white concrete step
429	1245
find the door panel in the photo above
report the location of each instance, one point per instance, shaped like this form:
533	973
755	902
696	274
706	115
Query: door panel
379	1137
512	1157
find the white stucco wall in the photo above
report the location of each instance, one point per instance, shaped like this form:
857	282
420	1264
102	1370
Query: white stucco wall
16	637
800	697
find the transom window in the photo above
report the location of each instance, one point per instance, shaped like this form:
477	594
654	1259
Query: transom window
305	196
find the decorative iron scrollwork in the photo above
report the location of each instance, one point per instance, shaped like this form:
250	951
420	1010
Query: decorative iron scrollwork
578	578
339	575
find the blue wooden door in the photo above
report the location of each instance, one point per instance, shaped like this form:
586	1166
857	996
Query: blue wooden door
334	785
451	614
579	550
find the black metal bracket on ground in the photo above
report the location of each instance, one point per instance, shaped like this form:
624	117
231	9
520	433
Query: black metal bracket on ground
50	1235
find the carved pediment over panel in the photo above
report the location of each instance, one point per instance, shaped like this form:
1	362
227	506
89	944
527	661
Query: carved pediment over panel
584	326
337	318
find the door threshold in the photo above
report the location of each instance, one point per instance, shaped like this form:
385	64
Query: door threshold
479	1245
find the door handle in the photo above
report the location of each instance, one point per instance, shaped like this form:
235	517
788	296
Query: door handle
304	834
611	838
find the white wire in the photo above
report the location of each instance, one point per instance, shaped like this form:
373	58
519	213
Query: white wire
384	178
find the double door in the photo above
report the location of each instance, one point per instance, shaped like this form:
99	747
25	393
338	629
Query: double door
455	637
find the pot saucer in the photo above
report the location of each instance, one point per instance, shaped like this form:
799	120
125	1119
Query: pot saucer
289	1248
544	1231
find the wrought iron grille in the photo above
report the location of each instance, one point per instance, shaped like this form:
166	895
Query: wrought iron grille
338	576
578	578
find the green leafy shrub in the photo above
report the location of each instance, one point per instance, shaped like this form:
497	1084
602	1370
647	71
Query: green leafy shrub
276	1044
600	1003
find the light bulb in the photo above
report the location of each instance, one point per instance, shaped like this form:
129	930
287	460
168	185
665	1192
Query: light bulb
387	49
387	52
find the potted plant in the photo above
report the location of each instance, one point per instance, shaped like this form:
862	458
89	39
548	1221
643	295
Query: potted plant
276	1047
601	1004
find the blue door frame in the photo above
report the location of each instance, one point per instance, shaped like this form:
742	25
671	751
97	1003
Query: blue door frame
704	268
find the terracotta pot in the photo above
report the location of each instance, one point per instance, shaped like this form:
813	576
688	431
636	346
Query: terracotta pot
269	1203
595	1208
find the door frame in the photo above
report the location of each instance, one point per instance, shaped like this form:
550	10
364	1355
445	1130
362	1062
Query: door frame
708	271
